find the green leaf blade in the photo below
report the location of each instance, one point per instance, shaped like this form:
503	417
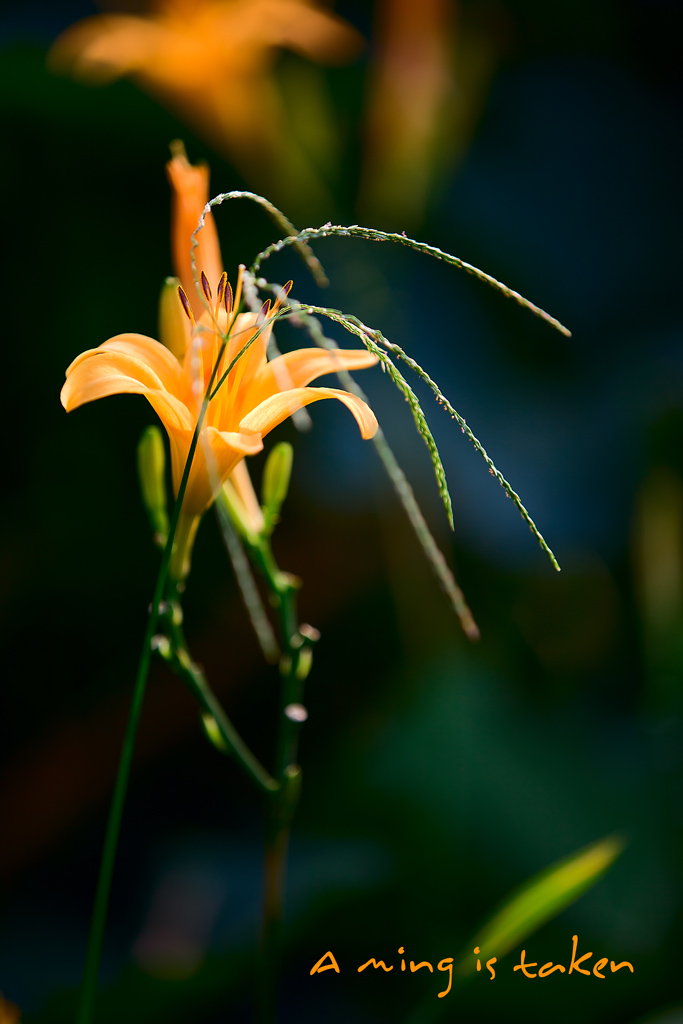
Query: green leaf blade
540	899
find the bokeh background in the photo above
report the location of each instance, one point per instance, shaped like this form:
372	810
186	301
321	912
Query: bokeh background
543	143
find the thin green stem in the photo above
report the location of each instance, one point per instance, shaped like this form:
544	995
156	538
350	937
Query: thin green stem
246	582
99	916
281	806
182	664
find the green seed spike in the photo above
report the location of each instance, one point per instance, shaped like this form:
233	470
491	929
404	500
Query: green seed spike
283	223
404	491
369	336
373	235
350	324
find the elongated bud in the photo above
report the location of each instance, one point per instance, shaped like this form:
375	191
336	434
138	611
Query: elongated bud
152	473
174	331
276	476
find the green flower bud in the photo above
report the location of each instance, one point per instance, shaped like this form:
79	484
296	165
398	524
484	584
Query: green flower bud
174	329
276	476
151	471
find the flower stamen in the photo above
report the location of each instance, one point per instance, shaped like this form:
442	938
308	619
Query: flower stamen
186	305
282	295
220	292
238	290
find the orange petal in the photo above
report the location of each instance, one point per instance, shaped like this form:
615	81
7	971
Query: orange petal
298	368
105	47
99	373
236	394
241	482
155	355
278	407
216	457
317	34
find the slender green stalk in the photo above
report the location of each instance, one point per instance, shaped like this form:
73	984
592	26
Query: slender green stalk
182	664
281	803
247	584
281	790
99	916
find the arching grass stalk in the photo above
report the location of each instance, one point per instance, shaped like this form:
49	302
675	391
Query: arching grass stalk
278	218
404	491
297	239
93	954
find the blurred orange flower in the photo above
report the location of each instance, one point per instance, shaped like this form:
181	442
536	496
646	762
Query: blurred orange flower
9	1012
212	62
257	395
432	67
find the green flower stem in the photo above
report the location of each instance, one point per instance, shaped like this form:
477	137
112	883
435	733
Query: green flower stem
93	953
182	664
279	815
281	807
99	916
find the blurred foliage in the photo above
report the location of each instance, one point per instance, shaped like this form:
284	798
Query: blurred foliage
436	778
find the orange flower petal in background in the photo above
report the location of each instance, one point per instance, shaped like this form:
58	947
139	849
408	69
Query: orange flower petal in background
9	1012
432	67
212	62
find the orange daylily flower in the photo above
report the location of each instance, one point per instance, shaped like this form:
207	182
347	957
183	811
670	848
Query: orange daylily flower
212	62
257	395
249	405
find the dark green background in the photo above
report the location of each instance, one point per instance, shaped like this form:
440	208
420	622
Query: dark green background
437	776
